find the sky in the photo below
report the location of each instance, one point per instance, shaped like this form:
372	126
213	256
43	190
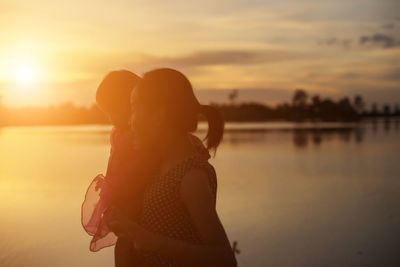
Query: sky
52	52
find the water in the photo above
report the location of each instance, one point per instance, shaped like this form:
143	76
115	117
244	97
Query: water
292	195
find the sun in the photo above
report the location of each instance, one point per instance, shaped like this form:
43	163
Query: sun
26	74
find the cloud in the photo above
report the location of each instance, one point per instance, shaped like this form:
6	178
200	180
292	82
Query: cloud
391	75
350	75
335	42
387	74
388	26
377	39
384	40
382	76
225	57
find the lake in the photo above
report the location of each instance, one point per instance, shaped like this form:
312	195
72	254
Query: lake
290	194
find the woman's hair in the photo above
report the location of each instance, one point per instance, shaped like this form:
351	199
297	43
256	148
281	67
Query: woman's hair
113	95
169	90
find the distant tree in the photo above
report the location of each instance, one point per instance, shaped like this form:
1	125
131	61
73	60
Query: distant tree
386	110
300	109
282	111
315	106
359	104
300	98
374	109
328	110
233	96
299	106
316	100
344	104
345	111
396	110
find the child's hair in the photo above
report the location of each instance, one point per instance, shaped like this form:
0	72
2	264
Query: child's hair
113	95
170	90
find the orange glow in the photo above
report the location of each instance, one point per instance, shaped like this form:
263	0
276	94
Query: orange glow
26	74
65	49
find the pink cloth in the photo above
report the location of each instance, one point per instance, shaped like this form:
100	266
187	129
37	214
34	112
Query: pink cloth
93	208
106	191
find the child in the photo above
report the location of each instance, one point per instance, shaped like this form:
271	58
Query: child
120	188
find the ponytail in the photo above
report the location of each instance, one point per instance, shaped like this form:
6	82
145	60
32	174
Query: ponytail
215	126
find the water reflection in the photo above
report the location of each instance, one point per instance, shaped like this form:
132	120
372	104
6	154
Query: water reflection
303	138
314	135
333	187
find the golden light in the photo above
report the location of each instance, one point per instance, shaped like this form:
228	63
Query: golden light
26	74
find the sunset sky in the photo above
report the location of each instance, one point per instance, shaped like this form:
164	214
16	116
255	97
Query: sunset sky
58	51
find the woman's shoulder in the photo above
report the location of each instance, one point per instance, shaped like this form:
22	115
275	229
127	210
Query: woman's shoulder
201	172
201	164
199	185
199	147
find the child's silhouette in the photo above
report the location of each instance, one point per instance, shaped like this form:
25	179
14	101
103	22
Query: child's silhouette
120	186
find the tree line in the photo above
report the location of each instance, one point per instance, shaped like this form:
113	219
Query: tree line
306	108
301	108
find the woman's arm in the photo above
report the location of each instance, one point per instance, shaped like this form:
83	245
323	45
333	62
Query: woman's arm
215	250
197	195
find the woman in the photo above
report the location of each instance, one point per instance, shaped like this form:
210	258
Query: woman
178	225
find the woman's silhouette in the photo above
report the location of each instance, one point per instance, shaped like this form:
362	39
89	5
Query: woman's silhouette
178	225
